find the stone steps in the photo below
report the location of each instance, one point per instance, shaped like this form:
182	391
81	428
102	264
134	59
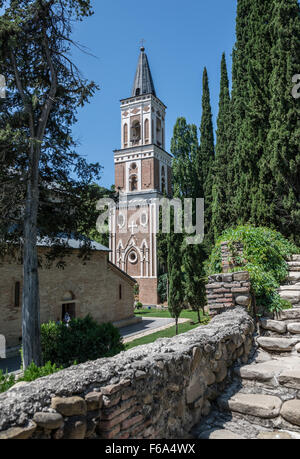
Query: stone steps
289	314
294	267
292	296
220	434
277	372
294	287
295	258
277	344
257	405
277	326
262	401
294	277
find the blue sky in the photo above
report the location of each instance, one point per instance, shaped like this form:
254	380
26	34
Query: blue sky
180	39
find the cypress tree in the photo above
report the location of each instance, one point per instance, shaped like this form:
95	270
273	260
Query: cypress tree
176	286
194	277
205	160
221	195
252	68
186	273
237	105
280	168
184	145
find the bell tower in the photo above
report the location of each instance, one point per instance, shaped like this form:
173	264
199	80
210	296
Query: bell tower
142	174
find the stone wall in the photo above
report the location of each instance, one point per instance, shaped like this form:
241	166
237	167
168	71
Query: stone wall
232	255
229	290
156	391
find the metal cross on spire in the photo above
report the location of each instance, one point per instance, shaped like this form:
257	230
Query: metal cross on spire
142	43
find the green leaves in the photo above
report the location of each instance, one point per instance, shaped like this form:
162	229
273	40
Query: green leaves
6	381
83	340
265	252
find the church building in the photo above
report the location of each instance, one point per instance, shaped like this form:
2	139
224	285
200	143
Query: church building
142	175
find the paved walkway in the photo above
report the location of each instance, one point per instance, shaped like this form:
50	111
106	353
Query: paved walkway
10	364
148	326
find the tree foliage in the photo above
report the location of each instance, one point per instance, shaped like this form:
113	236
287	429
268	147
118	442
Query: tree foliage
42	178
263	131
205	158
221	177
265	252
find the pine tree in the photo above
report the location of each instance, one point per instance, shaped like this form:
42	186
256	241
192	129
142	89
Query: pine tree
280	167
205	159
221	190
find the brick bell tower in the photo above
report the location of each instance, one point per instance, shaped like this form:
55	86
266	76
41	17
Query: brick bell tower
142	174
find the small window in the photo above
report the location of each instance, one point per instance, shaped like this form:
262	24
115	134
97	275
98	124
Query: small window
137	92
125	134
120	292
146	130
17	294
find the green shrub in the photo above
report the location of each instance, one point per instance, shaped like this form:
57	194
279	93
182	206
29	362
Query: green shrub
6	381
83	340
139	305
33	372
264	256
162	287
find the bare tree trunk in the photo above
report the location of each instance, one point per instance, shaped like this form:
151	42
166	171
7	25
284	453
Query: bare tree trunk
176	325
31	299
199	318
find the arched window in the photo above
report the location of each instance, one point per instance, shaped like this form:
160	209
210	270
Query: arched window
152	124
135	131
133	183
125	135
146	130
158	131
137	92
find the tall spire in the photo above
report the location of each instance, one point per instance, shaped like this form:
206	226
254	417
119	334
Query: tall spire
143	83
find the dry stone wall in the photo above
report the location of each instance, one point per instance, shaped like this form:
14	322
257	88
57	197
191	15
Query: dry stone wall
232	255
156	391
225	291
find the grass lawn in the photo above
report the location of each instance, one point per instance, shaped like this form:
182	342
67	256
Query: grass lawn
186	314
169	332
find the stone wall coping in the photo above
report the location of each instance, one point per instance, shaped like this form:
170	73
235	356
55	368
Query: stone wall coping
19	405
